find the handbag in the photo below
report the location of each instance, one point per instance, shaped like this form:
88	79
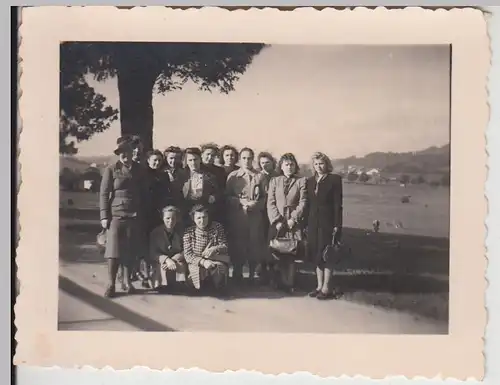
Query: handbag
282	245
333	254
101	240
218	257
221	258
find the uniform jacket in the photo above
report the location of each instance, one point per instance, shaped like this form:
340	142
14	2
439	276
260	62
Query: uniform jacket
122	191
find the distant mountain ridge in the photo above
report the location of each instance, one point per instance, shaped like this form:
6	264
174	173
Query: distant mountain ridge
431	160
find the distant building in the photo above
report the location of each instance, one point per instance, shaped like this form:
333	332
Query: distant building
91	179
373	172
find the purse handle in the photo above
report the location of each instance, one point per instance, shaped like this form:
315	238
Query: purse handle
284	230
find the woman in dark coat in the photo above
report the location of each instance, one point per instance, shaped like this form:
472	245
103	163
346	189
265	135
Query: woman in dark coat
158	196
166	253
324	191
121	201
198	186
158	189
209	152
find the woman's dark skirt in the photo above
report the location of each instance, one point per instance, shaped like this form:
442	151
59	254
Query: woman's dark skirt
124	240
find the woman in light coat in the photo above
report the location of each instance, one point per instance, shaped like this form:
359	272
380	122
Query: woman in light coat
286	207
246	200
267	166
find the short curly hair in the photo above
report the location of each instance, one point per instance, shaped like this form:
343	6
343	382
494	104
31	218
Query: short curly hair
291	158
268	155
192	151
198	208
150	153
173	149
231	148
210	146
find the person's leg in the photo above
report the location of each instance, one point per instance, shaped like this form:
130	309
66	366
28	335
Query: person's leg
325	289
251	271
237	271
283	273
129	237
291	274
219	280
113	264
320	274
171	278
156	275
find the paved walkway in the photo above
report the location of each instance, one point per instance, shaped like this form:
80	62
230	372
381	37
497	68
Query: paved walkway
82	307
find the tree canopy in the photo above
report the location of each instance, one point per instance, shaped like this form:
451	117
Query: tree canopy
141	69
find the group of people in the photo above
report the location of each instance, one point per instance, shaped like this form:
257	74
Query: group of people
201	210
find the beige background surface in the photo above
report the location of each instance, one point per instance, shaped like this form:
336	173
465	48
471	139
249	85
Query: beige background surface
457	355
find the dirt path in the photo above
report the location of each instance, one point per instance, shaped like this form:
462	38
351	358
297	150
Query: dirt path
251	312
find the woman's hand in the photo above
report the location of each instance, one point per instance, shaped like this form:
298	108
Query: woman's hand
335	237
169	264
208	252
104	223
290	223
211	199
208	264
279	226
250	205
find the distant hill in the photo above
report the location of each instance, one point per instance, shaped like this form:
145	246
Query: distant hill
73	163
80	163
98	160
433	160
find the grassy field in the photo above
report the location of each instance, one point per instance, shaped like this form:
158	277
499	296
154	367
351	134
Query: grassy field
404	267
427	214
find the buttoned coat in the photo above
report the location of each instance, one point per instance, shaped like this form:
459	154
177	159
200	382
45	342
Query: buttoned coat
247	241
209	188
282	205
325	213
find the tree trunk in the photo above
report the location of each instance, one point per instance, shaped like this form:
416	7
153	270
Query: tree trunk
135	87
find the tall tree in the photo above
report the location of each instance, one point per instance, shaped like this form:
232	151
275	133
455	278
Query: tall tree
140	69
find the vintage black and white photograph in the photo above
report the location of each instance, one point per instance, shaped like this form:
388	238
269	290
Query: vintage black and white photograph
254	187
305	188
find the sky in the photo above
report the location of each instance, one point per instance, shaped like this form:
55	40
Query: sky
341	100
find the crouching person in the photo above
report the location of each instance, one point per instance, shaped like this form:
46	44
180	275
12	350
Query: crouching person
205	250
166	254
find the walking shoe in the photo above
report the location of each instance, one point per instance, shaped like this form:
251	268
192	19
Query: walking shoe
130	289
325	296
110	292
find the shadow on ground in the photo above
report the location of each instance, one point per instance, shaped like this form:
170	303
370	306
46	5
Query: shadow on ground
115	310
397	271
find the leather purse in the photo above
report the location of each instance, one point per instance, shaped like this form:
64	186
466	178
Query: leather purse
101	240
283	245
332	254
221	258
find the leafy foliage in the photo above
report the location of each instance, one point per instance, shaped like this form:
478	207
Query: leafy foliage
166	66
363	177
